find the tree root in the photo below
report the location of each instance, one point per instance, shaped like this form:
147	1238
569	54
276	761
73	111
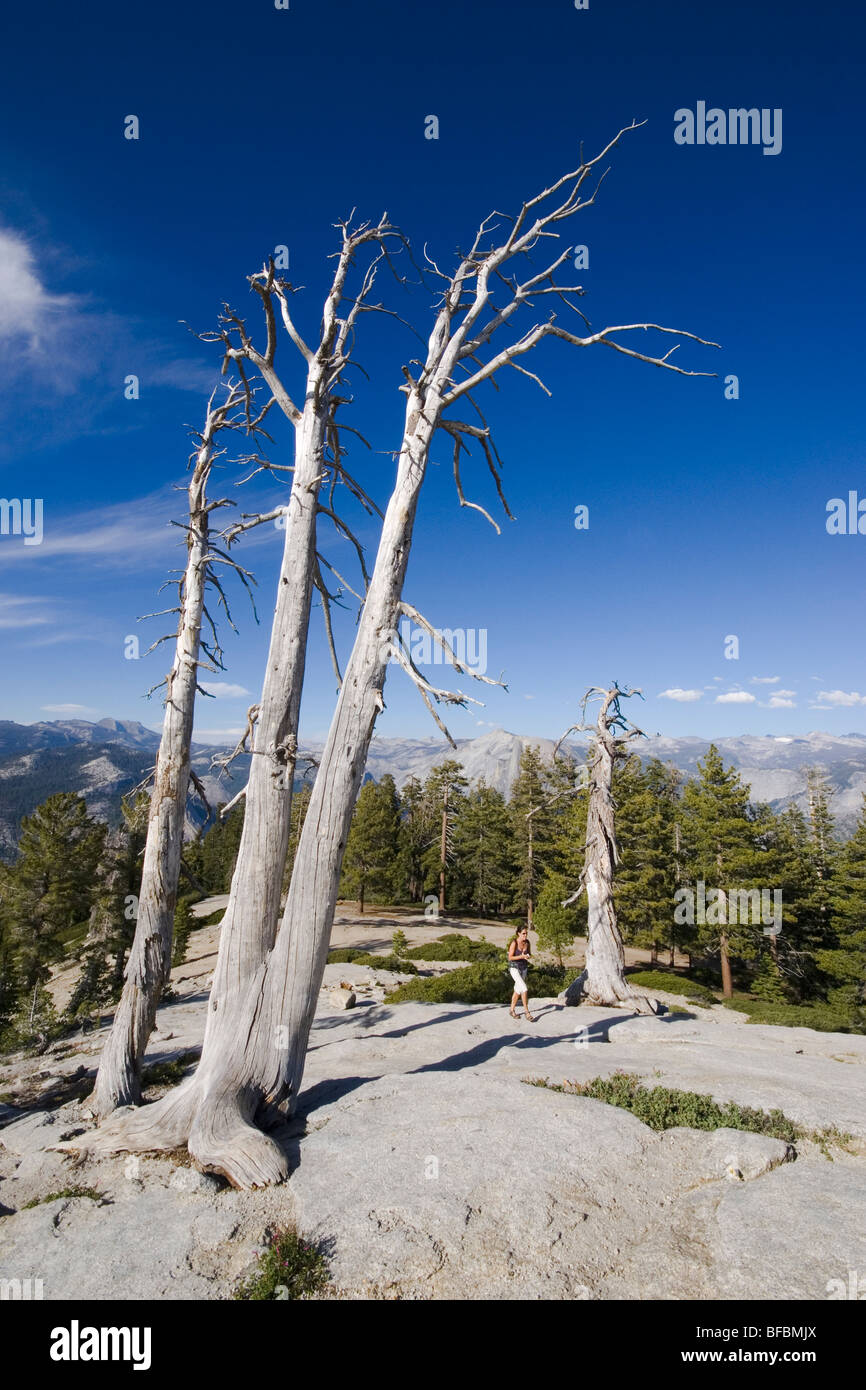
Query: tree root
613	997
162	1126
224	1140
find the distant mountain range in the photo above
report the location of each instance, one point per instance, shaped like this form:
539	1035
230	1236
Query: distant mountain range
105	760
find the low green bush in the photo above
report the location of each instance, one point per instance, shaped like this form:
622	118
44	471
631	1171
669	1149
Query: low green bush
167	1073
485	982
389	963
453	946
344	955
672	983
288	1268
663	1108
213	919
822	1017
89	1192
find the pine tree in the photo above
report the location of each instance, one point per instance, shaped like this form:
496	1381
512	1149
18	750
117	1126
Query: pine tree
300	803
646	806
184	924
483	868
372	849
720	853
51	884
823	859
556	925
419	823
535	807
10	976
444	790
843	960
114	906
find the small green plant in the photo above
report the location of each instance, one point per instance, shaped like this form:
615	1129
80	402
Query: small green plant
399	943
485	982
350	955
405	967
822	1017
661	1107
89	1192
454	946
674	984
167	1073
288	1268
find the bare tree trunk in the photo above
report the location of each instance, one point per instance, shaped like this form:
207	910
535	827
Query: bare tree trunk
260	1060
249	924
118	1080
603	980
727	982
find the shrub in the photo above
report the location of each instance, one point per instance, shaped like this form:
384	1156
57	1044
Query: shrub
89	1192
213	918
405	967
184	923
345	955
663	1108
399	943
167	1073
822	1017
288	1268
453	946
673	984
485	982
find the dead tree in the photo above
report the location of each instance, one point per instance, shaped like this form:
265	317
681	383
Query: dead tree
255	1064
603	978
250	920
118	1080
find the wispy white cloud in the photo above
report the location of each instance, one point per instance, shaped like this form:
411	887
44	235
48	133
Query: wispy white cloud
29	314
70	711
121	531
681	696
765	680
836	698
222	690
735	697
53	346
20	610
780	701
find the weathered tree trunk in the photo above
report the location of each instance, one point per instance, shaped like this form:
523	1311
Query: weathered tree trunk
118	1080
603	980
250	921
260	1058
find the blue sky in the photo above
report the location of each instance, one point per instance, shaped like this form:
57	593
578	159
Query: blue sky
261	127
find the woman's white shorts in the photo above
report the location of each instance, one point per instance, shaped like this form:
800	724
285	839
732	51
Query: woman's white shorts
519	980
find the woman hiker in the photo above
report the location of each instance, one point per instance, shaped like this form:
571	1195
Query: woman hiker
519	954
